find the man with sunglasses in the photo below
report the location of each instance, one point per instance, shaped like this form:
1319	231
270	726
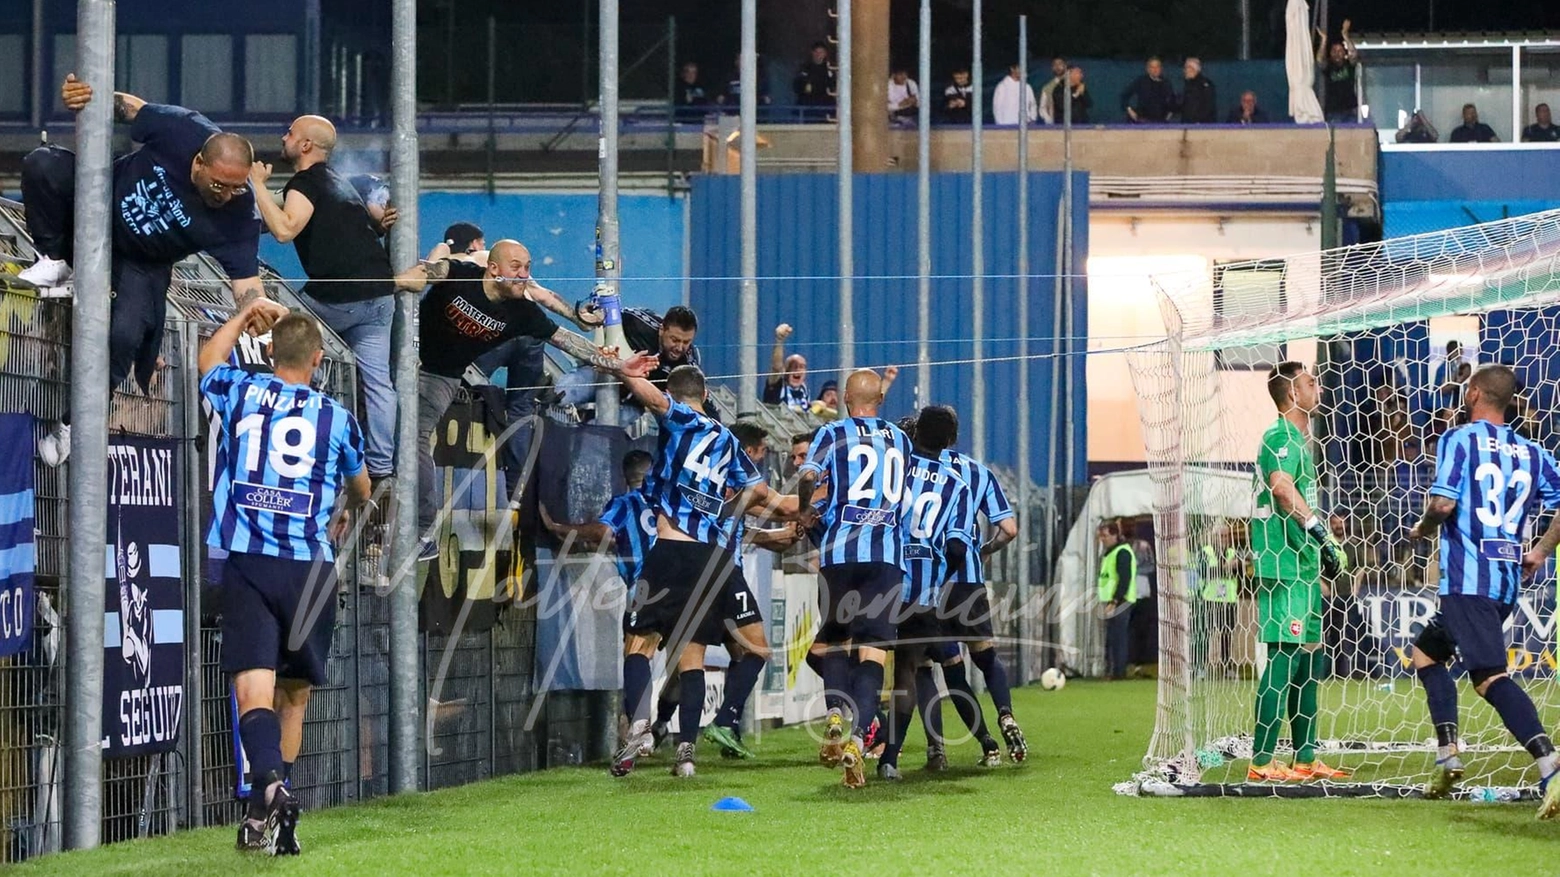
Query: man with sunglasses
184	191
351	282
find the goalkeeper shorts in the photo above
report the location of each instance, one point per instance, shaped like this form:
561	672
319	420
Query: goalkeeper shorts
1289	612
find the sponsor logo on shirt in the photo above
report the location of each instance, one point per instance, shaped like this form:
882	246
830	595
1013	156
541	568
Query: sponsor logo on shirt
709	505
1295	627
863	516
277	500
916	551
1500	550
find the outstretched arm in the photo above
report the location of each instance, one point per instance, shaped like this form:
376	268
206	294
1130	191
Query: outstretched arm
591	536
219	347
777	356
601	359
586	317
77	94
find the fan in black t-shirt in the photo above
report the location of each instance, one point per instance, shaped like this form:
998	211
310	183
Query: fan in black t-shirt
472	309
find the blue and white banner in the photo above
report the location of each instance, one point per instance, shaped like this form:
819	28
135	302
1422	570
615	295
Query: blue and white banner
18	550
1393	617
143	623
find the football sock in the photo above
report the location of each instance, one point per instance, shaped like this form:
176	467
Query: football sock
740	681
666	706
867	684
815	663
898	726
691	707
1302	704
927	698
836	678
636	687
286	771
1441	697
1270	701
261	732
996	679
1517	711
964	701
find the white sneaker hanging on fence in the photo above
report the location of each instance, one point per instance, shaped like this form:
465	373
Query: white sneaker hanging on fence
46	273
55	447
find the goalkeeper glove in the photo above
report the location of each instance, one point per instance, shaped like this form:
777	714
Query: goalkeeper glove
1334	562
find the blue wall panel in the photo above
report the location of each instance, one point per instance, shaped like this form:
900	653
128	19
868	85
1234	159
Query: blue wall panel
560	230
798	266
1490	173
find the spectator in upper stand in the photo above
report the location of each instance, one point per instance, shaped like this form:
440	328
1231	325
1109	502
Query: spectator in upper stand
1542	130
691	100
787	381
1199	103
958	97
1418	130
1081	101
814	83
731	99
1050	113
1247	112
1337	62
1149	98
1010	96
904	97
1472	130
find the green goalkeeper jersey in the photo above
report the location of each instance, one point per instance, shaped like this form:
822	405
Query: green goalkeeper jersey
1279	544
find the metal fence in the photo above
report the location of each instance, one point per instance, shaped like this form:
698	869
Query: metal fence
478	703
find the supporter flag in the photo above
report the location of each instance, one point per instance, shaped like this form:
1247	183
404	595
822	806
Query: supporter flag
18	553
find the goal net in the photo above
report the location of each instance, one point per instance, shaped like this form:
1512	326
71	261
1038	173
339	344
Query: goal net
1392	331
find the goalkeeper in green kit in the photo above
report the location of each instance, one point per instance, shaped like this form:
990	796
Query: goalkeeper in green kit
1292	548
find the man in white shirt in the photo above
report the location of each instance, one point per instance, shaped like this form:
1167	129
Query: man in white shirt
904	98
1010	96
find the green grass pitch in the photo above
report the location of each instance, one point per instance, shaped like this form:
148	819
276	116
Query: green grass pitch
1054	815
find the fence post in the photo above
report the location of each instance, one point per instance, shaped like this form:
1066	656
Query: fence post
193	478
406	705
90	399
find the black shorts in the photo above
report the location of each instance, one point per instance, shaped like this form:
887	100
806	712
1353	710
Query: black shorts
741	604
919	633
966	612
682	593
278	615
858	602
1474	626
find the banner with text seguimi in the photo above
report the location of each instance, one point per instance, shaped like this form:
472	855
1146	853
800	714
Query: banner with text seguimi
143	624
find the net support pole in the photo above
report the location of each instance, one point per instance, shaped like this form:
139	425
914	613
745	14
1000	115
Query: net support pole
609	269
977	246
846	168
923	216
1066	269
1025	411
406	707
748	146
90	400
